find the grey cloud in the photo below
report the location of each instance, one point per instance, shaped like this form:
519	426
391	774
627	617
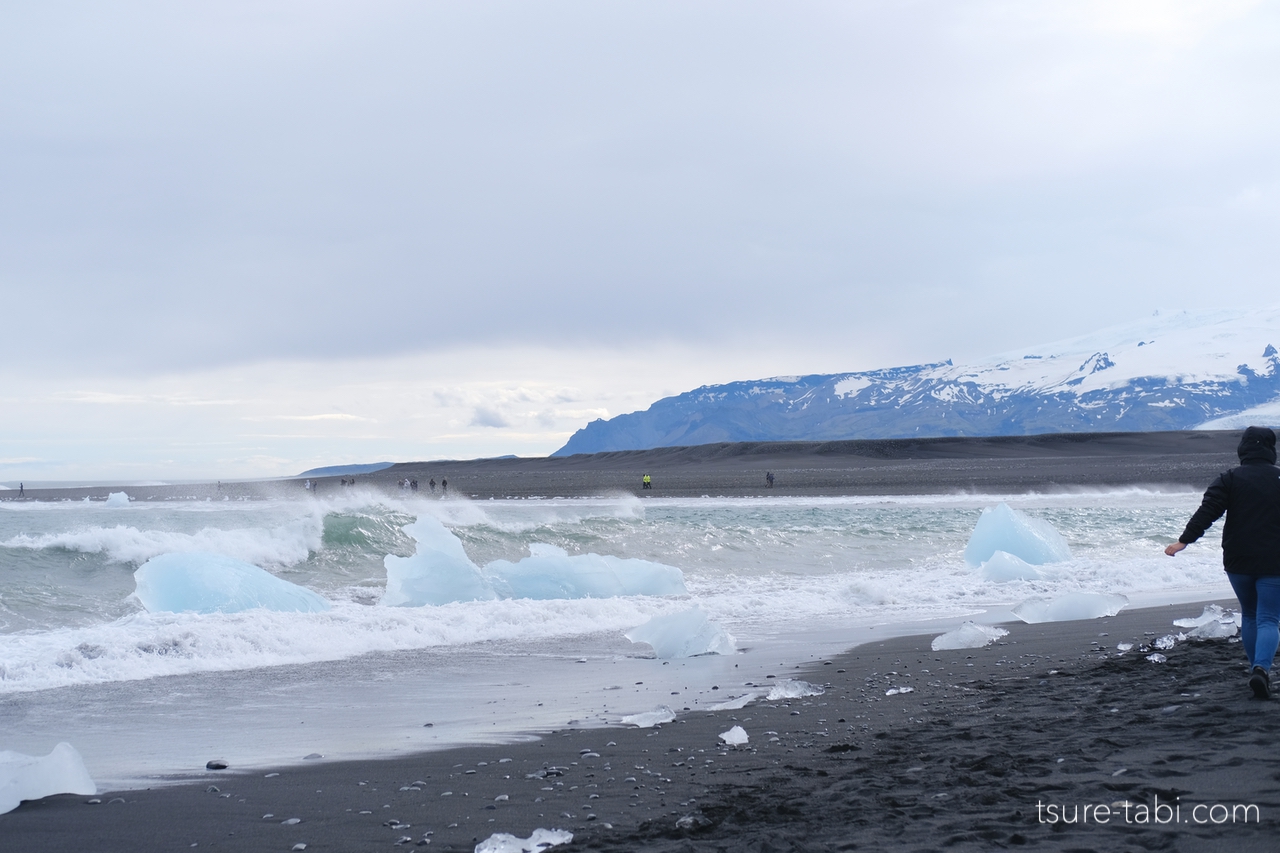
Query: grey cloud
189	186
485	417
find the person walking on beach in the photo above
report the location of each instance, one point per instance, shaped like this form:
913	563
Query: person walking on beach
1249	494
432	484
646	482
768	478
21	491
444	485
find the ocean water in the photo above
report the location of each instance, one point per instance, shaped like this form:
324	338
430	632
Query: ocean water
792	579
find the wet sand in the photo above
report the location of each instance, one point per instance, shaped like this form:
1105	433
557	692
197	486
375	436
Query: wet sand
1000	465
968	760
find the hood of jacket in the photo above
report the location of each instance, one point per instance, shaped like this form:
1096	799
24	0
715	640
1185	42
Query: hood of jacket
1258	444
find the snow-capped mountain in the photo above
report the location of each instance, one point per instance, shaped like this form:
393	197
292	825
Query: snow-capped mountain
1217	370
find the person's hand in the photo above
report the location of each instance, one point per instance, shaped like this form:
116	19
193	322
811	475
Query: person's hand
1174	548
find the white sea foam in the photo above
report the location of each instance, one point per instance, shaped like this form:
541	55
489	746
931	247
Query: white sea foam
279	546
759	568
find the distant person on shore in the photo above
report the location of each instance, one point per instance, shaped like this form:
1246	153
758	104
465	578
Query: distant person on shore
646	482
413	485
21	491
431	484
768	478
444	485
1249	494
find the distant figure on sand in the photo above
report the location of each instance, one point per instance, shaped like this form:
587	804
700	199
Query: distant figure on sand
1249	494
444	485
413	484
432	483
646	482
768	478
21	491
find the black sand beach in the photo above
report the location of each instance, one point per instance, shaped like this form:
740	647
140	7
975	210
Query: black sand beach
969	760
1005	464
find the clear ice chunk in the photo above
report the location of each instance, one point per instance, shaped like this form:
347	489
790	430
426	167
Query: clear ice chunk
1002	528
736	736
549	572
1069	607
29	777
118	499
789	689
683	635
214	583
539	839
439	572
1003	566
970	635
649	719
1213	624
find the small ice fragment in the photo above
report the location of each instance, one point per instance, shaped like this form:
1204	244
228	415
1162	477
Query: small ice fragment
1003	567
117	499
1069	607
1121	771
788	689
894	691
736	736
312	756
214	583
550	572
28	777
736	704
970	635
682	635
540	839
1166	642
1124	647
293	821
1001	528
298	847
649	719
1156	657
1213	624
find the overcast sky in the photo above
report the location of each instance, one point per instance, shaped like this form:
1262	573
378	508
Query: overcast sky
243	239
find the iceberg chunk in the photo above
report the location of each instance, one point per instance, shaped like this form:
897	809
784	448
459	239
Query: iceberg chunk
27	777
213	583
1213	624
736	736
118	499
1003	566
549	572
683	635
788	689
970	635
1001	528
649	719
439	571
539	839
1073	605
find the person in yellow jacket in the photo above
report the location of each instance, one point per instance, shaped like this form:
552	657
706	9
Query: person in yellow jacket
646	482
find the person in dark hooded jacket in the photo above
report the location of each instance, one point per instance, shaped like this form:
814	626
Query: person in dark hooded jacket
1250	497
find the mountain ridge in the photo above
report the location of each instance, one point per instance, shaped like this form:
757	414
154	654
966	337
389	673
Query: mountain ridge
1173	371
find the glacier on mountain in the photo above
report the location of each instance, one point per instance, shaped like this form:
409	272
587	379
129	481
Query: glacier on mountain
1171	371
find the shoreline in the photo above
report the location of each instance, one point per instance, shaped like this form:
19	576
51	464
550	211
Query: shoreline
960	759
979	465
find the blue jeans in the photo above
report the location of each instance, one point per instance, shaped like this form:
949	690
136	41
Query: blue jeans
1259	617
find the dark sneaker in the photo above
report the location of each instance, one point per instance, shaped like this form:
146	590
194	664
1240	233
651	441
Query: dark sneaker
1260	683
